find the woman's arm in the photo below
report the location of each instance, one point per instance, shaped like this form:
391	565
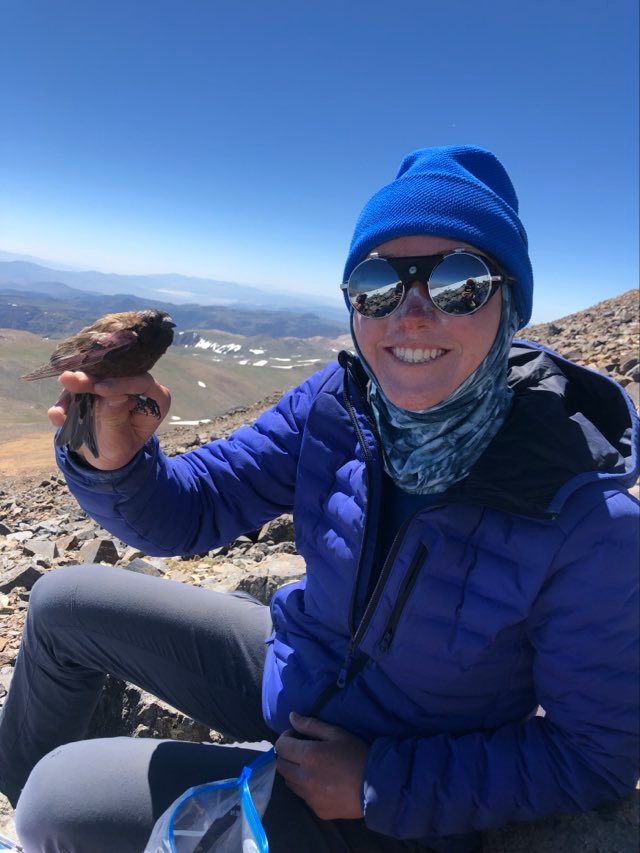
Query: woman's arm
194	502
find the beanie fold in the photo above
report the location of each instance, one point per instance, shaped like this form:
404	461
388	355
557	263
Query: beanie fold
435	195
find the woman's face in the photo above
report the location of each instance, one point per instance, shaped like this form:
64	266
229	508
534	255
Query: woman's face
420	355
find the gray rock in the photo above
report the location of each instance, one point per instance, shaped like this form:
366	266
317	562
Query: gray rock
6	674
573	354
20	536
272	573
70	542
633	390
143	567
278	530
24	576
609	829
124	709
283	548
86	531
48	527
130	553
44	548
257	552
99	551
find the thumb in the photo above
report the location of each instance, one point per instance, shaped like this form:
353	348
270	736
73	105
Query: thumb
315	729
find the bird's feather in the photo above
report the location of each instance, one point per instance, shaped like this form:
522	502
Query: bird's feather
79	426
84	355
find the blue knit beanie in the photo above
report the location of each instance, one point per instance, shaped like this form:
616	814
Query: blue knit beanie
461	192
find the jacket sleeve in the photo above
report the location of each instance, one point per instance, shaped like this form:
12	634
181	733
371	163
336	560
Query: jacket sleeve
584	632
191	503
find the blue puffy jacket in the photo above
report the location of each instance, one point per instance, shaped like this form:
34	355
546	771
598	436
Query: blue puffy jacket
518	588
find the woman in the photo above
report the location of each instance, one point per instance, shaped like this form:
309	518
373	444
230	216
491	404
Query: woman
470	545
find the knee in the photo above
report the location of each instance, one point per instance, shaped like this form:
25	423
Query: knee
78	799
42	816
54	593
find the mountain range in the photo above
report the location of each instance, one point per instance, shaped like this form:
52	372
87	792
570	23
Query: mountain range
41	300
22	275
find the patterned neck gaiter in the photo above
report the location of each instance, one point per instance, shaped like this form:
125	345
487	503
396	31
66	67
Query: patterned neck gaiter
427	451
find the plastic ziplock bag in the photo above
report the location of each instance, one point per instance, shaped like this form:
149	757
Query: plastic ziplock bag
8	844
219	817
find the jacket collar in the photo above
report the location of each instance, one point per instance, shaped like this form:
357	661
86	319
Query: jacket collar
568	426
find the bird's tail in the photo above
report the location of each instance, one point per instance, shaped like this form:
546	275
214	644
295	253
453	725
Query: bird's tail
43	372
79	427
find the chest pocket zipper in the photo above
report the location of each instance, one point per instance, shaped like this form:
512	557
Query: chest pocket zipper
405	591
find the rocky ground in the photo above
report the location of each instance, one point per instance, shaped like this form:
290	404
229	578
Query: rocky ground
42	528
604	337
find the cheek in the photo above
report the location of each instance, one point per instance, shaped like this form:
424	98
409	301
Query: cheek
479	332
367	333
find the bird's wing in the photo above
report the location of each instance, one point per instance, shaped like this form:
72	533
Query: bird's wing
74	354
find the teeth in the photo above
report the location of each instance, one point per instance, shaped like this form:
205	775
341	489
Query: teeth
416	355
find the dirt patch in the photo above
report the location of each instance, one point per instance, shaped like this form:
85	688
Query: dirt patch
29	454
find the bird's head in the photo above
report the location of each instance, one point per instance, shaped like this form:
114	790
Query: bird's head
155	325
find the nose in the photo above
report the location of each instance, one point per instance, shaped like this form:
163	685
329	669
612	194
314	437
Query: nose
417	302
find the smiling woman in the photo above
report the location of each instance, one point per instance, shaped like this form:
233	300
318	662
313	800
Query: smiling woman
460	502
419	354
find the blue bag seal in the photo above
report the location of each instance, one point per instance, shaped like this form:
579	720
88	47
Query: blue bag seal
219	817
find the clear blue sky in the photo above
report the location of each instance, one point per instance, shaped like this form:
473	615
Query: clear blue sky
239	140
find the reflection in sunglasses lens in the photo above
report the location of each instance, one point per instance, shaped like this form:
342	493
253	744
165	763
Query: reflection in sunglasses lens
460	284
374	288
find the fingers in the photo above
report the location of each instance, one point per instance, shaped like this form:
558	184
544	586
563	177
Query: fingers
289	747
293	748
315	729
114	392
58	412
127	385
326	774
122	423
78	382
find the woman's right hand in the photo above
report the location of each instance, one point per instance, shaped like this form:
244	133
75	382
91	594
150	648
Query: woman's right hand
120	431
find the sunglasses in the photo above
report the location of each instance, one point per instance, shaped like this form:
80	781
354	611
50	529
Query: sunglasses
459	283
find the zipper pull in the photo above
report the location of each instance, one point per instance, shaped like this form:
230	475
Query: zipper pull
342	675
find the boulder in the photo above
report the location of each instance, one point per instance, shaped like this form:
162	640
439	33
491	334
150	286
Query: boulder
24	576
99	551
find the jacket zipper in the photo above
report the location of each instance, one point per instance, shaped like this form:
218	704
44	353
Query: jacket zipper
405	591
351	666
344	674
368	459
353	663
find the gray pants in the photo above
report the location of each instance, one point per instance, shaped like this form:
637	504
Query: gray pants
201	651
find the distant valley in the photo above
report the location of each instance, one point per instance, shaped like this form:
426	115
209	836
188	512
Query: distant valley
63	312
224	355
208	372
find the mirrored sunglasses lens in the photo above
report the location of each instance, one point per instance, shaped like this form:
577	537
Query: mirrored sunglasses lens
374	288
460	284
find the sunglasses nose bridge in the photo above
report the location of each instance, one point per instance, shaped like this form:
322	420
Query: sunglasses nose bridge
416	297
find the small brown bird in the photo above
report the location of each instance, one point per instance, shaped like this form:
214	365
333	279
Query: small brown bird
116	345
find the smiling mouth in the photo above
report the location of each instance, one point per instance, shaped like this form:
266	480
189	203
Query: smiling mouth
417	356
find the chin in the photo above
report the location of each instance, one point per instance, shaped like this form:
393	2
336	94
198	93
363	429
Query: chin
414	402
